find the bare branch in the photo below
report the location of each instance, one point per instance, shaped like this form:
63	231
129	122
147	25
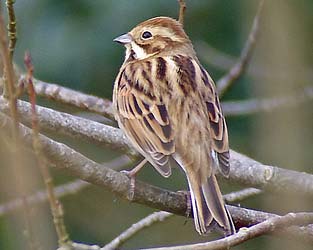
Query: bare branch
103	106
41	196
248	107
237	70
10	93
55	205
182	9
60	191
244	170
222	61
11	26
252	173
74	98
8	76
137	227
161	216
241	195
266	227
63	157
74	126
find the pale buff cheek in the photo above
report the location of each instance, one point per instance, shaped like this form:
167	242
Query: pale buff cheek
139	52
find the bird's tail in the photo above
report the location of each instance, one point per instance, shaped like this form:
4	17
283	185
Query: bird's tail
208	207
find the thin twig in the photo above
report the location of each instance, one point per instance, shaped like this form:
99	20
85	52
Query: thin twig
237	70
9	92
161	216
42	196
182	9
223	61
8	77
60	191
273	224
266	227
137	227
74	98
55	204
76	127
253	106
11	26
241	195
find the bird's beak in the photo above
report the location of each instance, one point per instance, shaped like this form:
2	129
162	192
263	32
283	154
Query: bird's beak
124	39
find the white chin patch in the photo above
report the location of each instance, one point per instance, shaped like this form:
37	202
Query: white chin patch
139	52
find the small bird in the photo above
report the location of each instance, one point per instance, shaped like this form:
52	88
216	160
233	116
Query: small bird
167	105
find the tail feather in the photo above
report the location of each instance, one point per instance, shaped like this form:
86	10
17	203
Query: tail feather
208	206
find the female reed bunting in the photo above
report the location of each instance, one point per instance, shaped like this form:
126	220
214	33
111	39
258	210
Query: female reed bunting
167	105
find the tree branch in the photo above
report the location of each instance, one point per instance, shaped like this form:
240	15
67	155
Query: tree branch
11	26
103	106
161	216
243	169
41	196
74	98
61	190
266	227
182	9
63	157
252	106
237	70
73	126
137	227
241	195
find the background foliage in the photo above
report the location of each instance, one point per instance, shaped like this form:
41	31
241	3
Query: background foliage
71	44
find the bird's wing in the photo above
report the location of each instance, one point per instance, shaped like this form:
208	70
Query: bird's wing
144	118
218	128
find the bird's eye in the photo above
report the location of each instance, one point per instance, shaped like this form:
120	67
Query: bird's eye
146	35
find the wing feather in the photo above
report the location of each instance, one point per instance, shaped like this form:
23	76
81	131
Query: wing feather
146	121
218	128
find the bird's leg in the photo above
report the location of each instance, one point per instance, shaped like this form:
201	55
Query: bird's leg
132	175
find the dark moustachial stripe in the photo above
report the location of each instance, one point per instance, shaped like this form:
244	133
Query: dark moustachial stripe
161	68
131	56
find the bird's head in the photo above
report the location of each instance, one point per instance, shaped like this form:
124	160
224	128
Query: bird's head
159	35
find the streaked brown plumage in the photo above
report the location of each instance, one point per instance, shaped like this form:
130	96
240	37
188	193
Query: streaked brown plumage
167	105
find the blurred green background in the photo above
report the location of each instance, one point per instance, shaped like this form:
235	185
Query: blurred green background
71	45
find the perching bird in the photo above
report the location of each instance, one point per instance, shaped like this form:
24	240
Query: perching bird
167	105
